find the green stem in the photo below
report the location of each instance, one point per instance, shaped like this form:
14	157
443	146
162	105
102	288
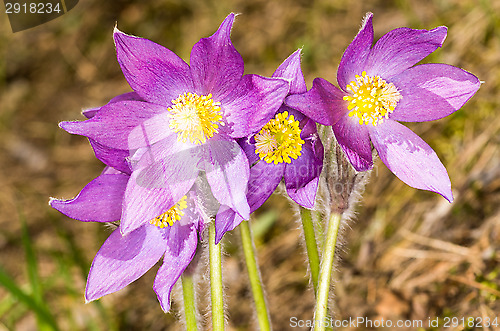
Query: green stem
311	246
215	280
326	271
254	275
189	303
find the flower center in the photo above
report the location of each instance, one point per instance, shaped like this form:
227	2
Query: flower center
279	140
372	99
195	117
172	215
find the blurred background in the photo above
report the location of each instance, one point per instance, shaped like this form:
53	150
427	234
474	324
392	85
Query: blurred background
407	254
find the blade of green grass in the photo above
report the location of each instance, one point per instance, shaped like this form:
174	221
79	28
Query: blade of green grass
41	312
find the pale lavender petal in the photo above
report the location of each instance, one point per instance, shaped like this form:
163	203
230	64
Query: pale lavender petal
253	103
354	58
410	158
290	69
157	183
99	201
157	74
323	102
355	142
227	171
306	195
123	259
112	125
432	91
264	178
130	96
181	247
225	220
116	158
151	131
402	48
216	65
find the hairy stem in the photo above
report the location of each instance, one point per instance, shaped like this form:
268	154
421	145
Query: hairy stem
326	271
311	246
189	303
215	280
254	276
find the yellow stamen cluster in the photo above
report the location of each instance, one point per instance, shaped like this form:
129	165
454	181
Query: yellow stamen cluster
195	117
372	99
172	215
279	140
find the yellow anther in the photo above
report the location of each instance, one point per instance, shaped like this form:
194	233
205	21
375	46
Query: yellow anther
172	215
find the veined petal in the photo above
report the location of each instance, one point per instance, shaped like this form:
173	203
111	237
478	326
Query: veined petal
156	73
163	175
290	69
181	247
355	142
264	178
123	259
354	58
410	158
306	167
116	158
216	65
225	220
305	196
99	201
402	48
227	172
323	102
432	91
253	103
113	123
130	96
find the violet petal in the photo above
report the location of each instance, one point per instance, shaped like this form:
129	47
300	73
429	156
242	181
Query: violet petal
290	69
123	259
410	158
402	48
99	201
225	220
354	58
112	125
253	103
355	142
305	196
216	65
156	73
432	91
89	113
181	247
323	102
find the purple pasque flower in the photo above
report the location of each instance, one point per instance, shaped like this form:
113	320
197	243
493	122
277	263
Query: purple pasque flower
122	259
186	122
287	147
380	85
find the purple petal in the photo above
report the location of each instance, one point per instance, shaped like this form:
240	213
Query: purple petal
99	201
402	48
290	69
306	195
253	103
306	167
151	131
156	73
355	142
410	158
116	158
225	220
130	96
432	91
181	247
216	65
227	171
112	125
354	58
123	259
323	102
264	178
157	184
